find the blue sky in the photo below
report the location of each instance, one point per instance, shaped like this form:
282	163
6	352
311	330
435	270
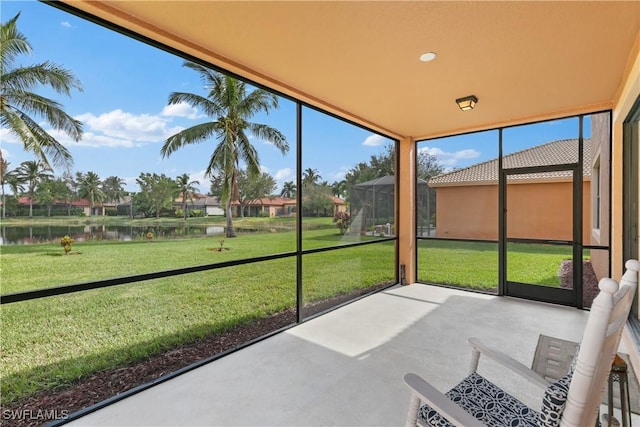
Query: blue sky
126	118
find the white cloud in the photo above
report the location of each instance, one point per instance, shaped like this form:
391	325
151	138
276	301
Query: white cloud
285	174
450	159
281	176
181	109
90	139
128	127
204	181
264	169
65	24
375	140
339	176
8	137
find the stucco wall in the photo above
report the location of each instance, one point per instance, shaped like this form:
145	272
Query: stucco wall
535	211
469	212
601	164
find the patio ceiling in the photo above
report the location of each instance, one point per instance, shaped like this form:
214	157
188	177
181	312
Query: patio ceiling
523	60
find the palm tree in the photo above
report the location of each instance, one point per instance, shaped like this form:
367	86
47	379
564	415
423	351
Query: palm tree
19	103
230	107
4	178
89	188
32	172
113	189
288	190
340	188
15	183
10	178
310	176
186	190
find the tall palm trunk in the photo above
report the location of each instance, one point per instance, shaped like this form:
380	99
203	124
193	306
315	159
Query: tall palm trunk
231	232
184	206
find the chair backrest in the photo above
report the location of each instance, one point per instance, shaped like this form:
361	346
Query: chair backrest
609	313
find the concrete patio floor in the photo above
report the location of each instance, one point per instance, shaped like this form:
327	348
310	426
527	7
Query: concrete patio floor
345	368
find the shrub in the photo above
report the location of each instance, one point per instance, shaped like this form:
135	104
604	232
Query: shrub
66	243
342	220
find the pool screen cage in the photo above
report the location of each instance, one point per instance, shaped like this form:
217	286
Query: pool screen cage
372	205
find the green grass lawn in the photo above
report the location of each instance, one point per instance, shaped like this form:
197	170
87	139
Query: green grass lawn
49	342
28	267
474	265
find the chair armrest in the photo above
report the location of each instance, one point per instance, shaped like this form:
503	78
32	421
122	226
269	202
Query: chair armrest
498	356
426	393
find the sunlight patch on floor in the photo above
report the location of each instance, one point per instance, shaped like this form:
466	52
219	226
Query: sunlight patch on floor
353	331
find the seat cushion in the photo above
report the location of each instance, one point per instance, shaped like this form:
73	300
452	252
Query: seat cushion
554	400
491	405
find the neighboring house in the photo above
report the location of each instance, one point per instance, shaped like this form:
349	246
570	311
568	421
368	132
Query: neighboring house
339	205
539	206
80	203
210	205
268	207
273	206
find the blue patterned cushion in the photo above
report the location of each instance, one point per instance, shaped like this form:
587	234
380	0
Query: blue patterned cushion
487	402
553	401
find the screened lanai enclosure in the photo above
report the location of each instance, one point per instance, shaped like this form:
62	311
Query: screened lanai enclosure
372	205
338	107
527	215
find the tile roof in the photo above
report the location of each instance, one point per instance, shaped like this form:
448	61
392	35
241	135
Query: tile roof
24	200
559	152
270	201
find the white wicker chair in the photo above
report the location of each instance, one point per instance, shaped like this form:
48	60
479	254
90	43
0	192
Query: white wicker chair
574	400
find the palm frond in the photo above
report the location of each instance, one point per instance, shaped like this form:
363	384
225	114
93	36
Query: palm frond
257	101
47	73
228	100
196	101
271	135
12	43
193	135
36	139
248	153
31	103
18	102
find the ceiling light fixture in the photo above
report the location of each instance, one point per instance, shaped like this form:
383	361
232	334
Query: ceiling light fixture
467	103
429	56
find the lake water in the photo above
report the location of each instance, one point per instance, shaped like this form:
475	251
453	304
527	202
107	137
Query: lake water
21	235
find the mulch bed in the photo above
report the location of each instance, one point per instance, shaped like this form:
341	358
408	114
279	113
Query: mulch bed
109	383
589	280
